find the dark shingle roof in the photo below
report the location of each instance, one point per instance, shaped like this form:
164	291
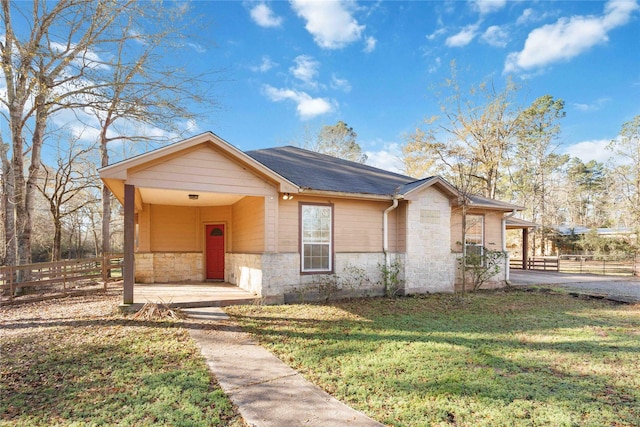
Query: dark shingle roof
311	170
314	171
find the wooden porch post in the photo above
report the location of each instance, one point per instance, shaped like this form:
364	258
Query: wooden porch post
525	247
128	266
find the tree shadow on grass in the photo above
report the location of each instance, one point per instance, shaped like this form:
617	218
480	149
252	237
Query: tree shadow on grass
541	355
124	377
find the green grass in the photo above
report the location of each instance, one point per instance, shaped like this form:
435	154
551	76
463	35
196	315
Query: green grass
490	359
111	371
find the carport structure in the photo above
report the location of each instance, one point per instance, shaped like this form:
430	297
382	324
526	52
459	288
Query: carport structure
521	224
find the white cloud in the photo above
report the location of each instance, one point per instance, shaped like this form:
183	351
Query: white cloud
370	44
489	6
435	66
527	16
590	150
329	22
496	36
341	84
307	107
595	106
569	37
264	16
305	69
264	66
389	158
464	37
436	33
197	47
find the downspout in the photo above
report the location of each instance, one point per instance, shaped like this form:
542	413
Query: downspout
504	244
385	230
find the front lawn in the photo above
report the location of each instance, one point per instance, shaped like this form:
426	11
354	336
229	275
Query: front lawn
493	358
76	362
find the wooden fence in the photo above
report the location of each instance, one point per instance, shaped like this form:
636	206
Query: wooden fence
605	265
53	279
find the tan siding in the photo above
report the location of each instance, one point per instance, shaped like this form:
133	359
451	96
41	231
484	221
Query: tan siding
398	228
248	225
144	230
271	224
456	229
357	224
288	224
202	169
173	228
492	228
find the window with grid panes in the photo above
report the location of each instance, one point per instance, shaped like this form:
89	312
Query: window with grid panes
316	237
474	239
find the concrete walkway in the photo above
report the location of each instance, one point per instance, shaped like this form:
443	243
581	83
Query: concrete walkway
267	391
615	288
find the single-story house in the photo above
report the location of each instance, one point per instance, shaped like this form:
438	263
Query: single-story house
279	221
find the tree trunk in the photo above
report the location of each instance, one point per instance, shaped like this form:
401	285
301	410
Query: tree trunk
56	253
106	195
8	206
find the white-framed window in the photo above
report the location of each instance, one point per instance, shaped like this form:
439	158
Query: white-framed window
474	238
316	238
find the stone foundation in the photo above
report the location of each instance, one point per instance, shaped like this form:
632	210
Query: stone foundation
245	271
162	267
277	278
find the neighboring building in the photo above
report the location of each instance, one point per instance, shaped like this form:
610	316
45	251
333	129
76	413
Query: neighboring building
277	221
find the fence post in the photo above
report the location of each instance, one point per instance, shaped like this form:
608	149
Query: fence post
11	273
64	277
104	271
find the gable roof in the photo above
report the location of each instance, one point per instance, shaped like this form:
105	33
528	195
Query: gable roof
315	171
310	170
296	169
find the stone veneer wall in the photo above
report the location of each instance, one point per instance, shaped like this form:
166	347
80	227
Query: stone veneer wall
245	271
429	265
277	278
154	267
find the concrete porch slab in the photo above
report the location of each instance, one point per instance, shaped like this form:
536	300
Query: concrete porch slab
187	295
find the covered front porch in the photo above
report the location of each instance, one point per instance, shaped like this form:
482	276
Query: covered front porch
196	211
188	295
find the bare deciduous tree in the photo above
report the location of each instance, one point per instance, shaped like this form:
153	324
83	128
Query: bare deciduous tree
65	188
478	126
41	69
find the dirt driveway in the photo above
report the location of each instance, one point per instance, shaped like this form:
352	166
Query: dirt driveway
618	288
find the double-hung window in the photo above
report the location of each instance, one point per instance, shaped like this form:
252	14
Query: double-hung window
316	237
474	238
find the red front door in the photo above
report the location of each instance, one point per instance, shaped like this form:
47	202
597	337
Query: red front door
215	251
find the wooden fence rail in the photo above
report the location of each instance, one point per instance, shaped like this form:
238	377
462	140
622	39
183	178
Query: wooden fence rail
60	277
605	265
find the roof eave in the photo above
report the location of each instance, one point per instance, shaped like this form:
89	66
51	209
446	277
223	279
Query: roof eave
442	184
346	195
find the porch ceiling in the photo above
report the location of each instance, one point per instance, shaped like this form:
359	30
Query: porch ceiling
158	196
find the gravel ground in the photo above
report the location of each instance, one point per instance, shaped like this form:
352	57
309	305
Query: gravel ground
613	287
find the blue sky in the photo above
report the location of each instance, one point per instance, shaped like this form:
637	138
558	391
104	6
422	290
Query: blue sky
287	66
